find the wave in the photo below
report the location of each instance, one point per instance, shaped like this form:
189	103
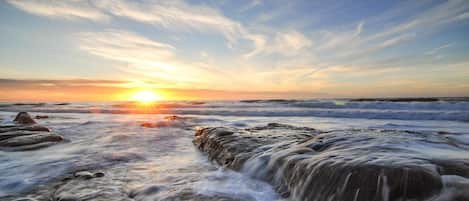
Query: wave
441	105
440	110
358	114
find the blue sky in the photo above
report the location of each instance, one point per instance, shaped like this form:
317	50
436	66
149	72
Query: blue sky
317	48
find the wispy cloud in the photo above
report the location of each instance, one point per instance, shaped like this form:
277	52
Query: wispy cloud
173	15
125	46
251	5
177	15
181	16
437	49
285	43
146	58
61	9
69	82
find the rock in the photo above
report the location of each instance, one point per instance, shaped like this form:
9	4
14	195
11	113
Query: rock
176	118
26	135
24	118
170	121
148	125
86	186
141	193
88	175
346	165
42	117
98	174
30	139
4	129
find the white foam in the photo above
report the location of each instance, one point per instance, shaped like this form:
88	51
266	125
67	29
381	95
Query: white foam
235	185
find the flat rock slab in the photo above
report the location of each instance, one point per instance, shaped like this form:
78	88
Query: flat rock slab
344	165
25	134
101	186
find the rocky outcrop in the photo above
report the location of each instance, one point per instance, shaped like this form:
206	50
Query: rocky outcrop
24	118
25	134
344	165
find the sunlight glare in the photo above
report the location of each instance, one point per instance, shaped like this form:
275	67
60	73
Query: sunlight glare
146	96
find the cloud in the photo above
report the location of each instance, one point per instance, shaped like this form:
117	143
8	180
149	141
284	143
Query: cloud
179	16
61	9
437	49
285	43
358	42
330	40
432	18
251	5
292	41
68	82
463	16
172	15
396	40
124	46
146	58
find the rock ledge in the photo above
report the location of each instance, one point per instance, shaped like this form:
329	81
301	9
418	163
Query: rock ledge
346	165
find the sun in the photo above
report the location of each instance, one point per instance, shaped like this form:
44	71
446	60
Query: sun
146	96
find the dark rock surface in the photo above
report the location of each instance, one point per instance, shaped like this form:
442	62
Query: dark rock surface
25	134
171	121
41	117
344	165
24	118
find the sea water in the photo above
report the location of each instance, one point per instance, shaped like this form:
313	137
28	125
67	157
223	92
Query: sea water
110	136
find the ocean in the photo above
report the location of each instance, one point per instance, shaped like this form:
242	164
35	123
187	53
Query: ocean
148	148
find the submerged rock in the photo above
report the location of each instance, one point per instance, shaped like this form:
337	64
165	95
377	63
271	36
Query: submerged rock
344	165
26	135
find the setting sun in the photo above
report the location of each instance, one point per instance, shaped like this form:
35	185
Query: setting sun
146	96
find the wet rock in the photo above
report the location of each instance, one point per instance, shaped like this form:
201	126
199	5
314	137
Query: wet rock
25	199
170	121
346	165
176	118
26	135
98	174
86	186
232	147
189	195
31	138
4	129
197	103
88	175
42	117
148	125
24	118
146	191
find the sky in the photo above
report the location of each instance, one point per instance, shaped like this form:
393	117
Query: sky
241	49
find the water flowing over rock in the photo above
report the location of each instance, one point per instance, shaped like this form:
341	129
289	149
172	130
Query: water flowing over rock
344	165
26	135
